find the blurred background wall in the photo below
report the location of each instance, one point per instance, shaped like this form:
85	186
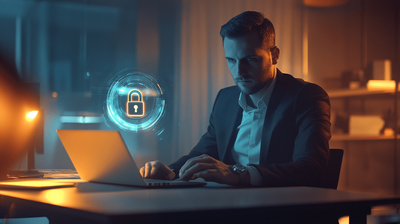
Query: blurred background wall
73	48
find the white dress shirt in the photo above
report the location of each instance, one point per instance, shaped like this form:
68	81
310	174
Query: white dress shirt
246	149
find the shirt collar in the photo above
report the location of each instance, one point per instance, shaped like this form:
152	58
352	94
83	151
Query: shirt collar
263	102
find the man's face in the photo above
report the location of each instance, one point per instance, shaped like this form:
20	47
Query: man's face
251	65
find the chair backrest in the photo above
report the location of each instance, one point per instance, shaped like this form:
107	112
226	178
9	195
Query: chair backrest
331	177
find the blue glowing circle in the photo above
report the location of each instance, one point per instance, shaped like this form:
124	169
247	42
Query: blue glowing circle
117	98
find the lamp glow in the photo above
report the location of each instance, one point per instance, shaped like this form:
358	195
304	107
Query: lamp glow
324	3
381	85
31	115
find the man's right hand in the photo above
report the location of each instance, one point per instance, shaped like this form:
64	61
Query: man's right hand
157	170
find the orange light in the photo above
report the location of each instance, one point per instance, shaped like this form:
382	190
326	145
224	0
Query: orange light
31	115
381	85
55	197
324	3
134	105
54	94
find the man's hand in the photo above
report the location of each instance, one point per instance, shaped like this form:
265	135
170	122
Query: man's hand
209	169
156	170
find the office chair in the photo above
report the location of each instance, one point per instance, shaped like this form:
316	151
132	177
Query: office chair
331	177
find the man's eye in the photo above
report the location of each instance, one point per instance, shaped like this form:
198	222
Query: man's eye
230	60
252	59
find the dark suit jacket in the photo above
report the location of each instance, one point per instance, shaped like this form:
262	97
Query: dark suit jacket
294	146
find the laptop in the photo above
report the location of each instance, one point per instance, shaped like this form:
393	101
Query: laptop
102	157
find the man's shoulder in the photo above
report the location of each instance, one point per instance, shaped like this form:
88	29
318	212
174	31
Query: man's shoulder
289	82
227	96
230	91
289	79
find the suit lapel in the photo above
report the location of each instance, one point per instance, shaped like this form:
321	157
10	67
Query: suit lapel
268	127
234	118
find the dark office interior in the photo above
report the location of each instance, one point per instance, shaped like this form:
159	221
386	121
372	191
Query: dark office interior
70	51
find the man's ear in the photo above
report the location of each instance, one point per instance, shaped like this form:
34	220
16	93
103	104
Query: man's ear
275	52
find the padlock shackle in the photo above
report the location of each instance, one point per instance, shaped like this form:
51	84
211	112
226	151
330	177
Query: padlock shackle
134	91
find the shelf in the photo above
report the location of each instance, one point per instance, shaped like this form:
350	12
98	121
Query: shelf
358	92
362	137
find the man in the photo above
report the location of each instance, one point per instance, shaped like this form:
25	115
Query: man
269	130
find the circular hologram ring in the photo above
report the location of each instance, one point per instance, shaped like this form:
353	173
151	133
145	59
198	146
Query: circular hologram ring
135	101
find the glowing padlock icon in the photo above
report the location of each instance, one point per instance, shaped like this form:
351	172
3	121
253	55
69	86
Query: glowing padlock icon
135	108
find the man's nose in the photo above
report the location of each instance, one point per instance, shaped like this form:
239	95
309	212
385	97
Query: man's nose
240	68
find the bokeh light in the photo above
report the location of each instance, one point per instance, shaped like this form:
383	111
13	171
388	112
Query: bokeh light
31	115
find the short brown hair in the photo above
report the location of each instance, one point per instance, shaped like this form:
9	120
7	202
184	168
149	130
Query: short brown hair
247	22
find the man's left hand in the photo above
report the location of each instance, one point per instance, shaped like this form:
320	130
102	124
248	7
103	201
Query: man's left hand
209	169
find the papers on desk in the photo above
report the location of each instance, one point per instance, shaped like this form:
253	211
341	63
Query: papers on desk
33	184
40	179
44	174
59	174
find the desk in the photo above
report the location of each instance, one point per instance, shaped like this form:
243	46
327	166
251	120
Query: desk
100	203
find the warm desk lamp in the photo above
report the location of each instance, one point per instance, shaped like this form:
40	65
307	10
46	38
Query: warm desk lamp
36	115
31	115
16	129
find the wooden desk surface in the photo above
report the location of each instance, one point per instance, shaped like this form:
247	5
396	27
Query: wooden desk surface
114	201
